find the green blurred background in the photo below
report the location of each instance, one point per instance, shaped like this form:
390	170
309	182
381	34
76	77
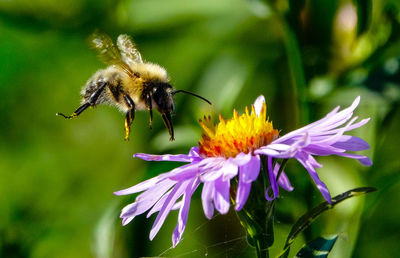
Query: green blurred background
57	177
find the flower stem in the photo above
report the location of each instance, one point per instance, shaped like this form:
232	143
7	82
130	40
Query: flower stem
257	215
261	252
257	220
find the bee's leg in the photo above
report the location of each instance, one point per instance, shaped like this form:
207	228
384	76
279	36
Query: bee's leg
130	115
76	112
150	107
168	124
92	102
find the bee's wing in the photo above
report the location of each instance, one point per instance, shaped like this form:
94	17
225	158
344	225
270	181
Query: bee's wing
129	52
108	52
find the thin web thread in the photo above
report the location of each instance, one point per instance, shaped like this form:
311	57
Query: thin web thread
206	248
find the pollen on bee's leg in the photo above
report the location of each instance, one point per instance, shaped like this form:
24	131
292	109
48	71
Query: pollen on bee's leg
77	112
127	130
67	117
127	137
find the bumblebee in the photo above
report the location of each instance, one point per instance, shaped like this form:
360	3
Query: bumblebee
128	83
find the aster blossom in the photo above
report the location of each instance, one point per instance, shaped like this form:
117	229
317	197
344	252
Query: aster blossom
233	149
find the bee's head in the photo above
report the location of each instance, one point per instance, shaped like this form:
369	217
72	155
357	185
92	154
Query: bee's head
163	96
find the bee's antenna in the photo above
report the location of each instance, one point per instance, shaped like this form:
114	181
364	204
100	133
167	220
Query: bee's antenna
193	94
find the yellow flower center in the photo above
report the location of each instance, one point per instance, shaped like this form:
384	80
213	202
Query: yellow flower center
244	133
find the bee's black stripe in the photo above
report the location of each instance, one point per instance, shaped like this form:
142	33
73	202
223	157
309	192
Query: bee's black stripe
116	91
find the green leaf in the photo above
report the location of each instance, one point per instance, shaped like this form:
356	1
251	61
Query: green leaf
306	220
364	13
319	247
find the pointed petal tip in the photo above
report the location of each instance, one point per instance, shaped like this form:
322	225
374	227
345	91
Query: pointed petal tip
366	162
260	99
238	207
176	238
152	235
258	104
125	221
357	101
328	199
143	156
209	215
118	193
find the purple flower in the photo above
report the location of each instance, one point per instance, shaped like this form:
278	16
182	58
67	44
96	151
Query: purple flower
233	148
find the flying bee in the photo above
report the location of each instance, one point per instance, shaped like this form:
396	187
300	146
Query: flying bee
128	83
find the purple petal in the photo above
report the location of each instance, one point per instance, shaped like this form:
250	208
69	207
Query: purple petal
322	150
242	194
230	170
283	180
176	192
351	127
165	157
279	146
212	174
176	206
340	117
363	159
221	196
307	161
351	143
333	118
241	159
159	204
126	221
129	210
225	168
323	137
184	211
258	104
185	172
247	174
147	199
272	179
194	152
207	196
281	151
333	112
267	151
332	138
208	164
140	187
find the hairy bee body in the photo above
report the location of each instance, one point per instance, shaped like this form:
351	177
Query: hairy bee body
128	83
119	83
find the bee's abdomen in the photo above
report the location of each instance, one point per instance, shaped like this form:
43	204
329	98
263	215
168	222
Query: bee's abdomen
112	90
91	87
116	91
